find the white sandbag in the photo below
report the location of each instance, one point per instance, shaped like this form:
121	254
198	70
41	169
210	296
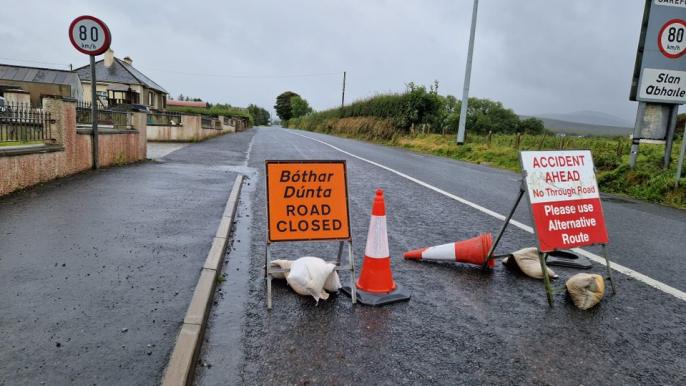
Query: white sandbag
282	264
333	282
585	289
308	275
527	260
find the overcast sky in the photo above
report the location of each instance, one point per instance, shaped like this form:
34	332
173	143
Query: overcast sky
535	56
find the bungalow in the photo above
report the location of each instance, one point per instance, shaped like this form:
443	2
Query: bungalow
40	81
119	83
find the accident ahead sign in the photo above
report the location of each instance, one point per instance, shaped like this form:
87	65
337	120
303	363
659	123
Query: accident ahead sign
564	197
660	73
307	200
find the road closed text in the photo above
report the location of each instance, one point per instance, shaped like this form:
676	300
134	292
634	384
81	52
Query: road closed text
307	200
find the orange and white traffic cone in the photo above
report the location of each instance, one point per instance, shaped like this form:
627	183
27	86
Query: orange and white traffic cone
375	285
472	251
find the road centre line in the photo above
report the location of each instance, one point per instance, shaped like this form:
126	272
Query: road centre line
598	259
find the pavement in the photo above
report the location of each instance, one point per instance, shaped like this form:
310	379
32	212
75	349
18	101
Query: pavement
98	269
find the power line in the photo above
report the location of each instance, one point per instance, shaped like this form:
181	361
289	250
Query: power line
31	61
244	76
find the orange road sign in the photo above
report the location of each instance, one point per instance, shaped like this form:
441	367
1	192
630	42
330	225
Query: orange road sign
307	200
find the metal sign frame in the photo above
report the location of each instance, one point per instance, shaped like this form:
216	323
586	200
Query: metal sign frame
543	256
92	53
350	266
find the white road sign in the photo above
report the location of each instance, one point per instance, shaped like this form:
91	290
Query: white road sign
671	38
90	35
666	85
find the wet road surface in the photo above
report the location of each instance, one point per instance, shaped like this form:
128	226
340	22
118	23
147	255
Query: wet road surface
97	270
461	326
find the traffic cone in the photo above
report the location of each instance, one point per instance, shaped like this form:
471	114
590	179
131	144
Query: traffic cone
472	251
375	285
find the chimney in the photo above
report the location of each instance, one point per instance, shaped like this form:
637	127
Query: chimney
128	60
109	58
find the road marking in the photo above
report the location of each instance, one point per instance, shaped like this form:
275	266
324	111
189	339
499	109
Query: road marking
598	259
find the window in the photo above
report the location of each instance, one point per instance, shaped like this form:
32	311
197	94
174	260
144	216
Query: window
150	98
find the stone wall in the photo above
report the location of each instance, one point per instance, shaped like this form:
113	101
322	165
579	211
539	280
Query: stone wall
190	130
71	151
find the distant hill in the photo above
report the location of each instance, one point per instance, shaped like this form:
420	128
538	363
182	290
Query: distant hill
591	118
576	128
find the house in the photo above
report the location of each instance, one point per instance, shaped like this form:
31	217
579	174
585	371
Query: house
40	81
202	105
120	84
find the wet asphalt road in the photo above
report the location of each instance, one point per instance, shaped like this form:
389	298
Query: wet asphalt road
461	326
97	270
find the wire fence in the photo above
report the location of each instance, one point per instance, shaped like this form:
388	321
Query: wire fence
24	123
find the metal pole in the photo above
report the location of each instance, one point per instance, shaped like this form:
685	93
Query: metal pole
636	139
467	78
681	160
343	96
94	115
670	134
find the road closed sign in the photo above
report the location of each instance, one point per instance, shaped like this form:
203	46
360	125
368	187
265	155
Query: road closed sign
307	200
564	198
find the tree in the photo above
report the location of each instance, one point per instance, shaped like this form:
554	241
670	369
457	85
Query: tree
531	126
299	107
283	105
259	115
180	98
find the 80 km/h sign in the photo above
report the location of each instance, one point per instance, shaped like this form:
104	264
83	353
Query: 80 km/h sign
90	35
671	39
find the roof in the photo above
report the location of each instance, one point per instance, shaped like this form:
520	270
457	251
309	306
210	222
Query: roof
118	72
186	104
37	75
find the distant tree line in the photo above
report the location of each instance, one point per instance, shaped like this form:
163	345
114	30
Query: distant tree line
418	107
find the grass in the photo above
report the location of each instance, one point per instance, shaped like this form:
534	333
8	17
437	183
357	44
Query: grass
21	143
648	180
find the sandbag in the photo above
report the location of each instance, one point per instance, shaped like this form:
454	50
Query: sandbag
283	264
528	262
585	289
308	275
333	282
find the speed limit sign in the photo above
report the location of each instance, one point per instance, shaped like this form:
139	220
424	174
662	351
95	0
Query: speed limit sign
90	35
671	39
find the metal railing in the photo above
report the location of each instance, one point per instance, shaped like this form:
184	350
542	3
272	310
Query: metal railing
164	119
117	118
24	123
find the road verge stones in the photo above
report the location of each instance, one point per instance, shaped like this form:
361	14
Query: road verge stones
181	366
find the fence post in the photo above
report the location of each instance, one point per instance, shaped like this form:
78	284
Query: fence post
518	138
540	145
562	143
490	134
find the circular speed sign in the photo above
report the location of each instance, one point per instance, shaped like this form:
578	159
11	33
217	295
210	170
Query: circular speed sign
671	39
90	35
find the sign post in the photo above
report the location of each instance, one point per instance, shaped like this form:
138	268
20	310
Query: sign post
91	36
307	201
659	81
565	204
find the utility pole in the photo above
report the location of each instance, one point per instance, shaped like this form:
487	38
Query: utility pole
343	97
467	78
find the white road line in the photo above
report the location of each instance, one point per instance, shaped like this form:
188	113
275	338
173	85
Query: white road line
598	259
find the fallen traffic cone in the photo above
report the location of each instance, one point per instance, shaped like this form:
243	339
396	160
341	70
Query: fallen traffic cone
375	285
472	251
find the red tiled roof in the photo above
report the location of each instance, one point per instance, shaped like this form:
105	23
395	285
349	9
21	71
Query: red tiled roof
187	104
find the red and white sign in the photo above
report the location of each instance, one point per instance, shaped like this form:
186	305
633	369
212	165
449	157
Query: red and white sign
564	197
90	35
671	39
